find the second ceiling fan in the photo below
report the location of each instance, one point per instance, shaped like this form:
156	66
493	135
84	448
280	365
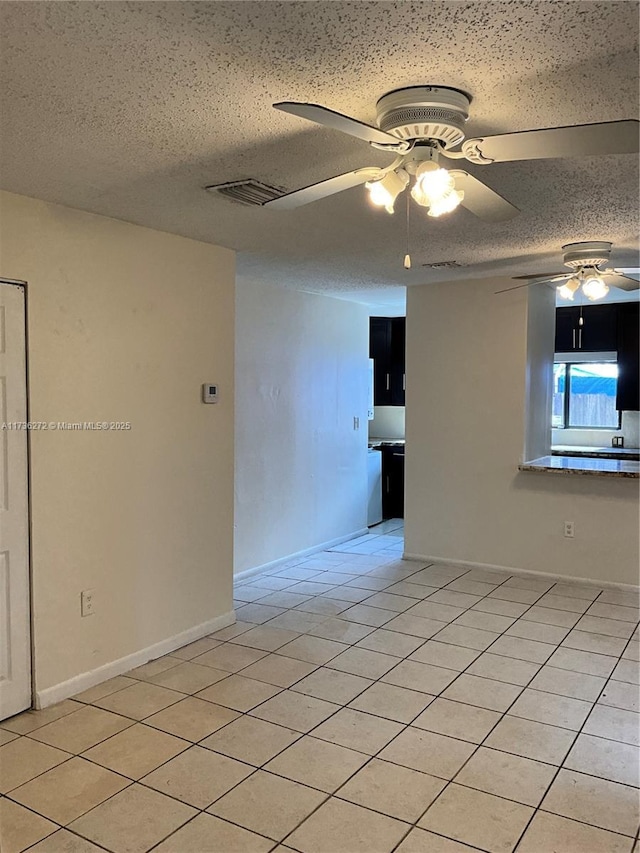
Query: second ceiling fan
424	124
587	274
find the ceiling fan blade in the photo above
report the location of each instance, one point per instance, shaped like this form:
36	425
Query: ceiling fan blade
559	277
338	121
622	282
538	281
323	189
515	287
481	200
609	137
537	275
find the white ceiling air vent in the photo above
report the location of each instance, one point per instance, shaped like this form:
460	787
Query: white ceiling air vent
248	191
444	265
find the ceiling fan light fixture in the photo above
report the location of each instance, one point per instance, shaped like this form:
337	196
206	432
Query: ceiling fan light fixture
384	192
594	287
445	205
435	188
568	289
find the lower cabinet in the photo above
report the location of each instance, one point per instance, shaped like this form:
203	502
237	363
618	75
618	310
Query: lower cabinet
393	481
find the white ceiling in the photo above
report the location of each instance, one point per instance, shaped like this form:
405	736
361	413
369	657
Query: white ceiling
130	109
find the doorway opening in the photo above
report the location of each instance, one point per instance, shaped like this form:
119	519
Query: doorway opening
385	539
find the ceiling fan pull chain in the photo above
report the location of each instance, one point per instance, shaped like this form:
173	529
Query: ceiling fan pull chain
407	257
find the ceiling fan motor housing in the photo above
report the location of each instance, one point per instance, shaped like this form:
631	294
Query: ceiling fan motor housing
589	254
425	112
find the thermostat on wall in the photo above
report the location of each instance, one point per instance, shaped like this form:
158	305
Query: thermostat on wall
209	393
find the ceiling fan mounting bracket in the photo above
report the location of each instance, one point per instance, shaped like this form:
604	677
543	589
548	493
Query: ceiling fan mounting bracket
592	253
424	112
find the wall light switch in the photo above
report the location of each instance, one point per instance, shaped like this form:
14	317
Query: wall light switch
356	423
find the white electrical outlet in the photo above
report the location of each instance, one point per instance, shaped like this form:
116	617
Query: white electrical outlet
569	531
87	597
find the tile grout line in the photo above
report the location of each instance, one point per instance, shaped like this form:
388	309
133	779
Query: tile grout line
561	766
373	681
133	782
478	746
190	743
524	687
406	726
502	714
302	735
321	666
352	645
255	769
505	713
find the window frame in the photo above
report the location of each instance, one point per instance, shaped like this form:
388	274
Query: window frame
573	359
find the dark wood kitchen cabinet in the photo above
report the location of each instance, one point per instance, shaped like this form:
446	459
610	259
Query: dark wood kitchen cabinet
392	481
598	331
387	349
606	328
380	352
628	394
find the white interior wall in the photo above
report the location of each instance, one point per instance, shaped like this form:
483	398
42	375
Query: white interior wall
301	378
388	422
630	430
538	377
467	374
124	324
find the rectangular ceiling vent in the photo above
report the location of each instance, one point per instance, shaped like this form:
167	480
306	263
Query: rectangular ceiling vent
444	265
248	191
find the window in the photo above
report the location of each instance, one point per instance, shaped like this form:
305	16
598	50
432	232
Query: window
584	395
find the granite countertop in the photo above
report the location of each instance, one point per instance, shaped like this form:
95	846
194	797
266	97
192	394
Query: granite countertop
596	452
583	465
386	442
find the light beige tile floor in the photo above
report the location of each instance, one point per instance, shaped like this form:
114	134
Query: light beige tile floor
360	704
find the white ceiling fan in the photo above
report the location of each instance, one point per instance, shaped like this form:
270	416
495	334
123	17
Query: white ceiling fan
423	125
584	261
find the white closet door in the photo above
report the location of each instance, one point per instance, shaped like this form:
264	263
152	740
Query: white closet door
15	644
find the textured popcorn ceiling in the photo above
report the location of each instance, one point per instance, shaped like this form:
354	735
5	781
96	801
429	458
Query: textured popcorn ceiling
130	109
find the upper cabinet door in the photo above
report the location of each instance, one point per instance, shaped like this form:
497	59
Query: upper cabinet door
398	340
600	328
380	352
628	396
386	348
596	333
566	326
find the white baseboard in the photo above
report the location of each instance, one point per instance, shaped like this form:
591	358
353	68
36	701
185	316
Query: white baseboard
51	695
467	564
299	555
